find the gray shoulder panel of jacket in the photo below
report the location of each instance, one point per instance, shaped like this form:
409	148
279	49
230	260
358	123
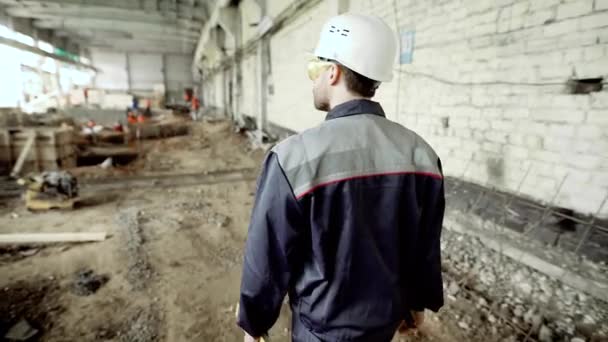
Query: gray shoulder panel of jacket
351	147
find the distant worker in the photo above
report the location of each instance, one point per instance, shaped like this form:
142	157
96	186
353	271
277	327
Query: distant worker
195	106
148	109
135	103
347	216
141	118
131	118
117	127
86	95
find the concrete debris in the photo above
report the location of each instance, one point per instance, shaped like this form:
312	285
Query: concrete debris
86	282
463	325
142	327
219	220
259	140
518	311
588	320
106	164
139	269
545	334
29	252
577	339
453	288
22	331
511	288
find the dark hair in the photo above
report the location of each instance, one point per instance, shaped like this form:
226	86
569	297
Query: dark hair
358	83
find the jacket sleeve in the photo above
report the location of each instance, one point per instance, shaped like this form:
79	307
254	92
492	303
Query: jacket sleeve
429	284
270	251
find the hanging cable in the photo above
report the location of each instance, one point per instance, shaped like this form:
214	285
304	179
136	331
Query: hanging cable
488	83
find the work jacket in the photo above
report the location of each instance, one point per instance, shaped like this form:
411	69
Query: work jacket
347	221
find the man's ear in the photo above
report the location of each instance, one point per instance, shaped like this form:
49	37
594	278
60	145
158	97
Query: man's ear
334	74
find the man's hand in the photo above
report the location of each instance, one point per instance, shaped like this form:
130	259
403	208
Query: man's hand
250	338
417	321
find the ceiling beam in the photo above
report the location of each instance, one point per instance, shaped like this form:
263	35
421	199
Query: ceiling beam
43	9
106	35
21	46
88	12
124	4
136	25
141	42
145	48
113	25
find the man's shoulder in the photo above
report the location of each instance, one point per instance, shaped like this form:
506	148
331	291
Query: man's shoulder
307	139
408	136
348	133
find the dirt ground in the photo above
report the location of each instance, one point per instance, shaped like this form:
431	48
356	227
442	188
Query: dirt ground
173	258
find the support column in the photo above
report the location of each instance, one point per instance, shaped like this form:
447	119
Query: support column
60	93
263	70
263	61
165	78
128	64
338	7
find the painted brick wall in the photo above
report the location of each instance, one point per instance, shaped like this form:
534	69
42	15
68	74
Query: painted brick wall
251	95
486	88
291	105
495	71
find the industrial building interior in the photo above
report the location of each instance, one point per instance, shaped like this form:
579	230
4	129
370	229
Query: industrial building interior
156	115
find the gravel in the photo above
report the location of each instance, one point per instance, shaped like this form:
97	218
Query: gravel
139	269
545	334
142	326
519	294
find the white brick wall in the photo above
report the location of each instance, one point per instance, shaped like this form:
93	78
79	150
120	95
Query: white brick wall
291	104
601	4
574	9
497	71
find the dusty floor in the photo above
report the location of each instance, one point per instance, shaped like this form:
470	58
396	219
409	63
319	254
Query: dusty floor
173	259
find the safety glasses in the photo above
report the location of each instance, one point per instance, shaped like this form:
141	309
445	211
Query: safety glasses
316	67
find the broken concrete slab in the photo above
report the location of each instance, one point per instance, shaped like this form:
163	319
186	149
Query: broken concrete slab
22	331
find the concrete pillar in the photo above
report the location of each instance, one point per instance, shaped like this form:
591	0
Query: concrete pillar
262	84
129	77
263	71
230	20
165	78
338	7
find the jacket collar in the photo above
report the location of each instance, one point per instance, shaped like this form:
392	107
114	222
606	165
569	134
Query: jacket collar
355	107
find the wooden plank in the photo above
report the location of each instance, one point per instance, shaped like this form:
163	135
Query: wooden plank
5	147
34	238
24	153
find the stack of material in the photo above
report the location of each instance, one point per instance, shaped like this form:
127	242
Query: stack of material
13	117
53	148
159	129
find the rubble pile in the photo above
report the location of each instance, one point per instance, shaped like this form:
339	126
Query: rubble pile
545	307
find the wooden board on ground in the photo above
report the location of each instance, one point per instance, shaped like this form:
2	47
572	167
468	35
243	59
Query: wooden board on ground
37	238
109	151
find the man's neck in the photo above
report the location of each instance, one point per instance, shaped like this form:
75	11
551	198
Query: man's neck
342	99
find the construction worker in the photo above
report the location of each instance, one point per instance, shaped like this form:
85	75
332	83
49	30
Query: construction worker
347	216
194	107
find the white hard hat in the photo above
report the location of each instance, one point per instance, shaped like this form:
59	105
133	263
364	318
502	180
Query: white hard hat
362	43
